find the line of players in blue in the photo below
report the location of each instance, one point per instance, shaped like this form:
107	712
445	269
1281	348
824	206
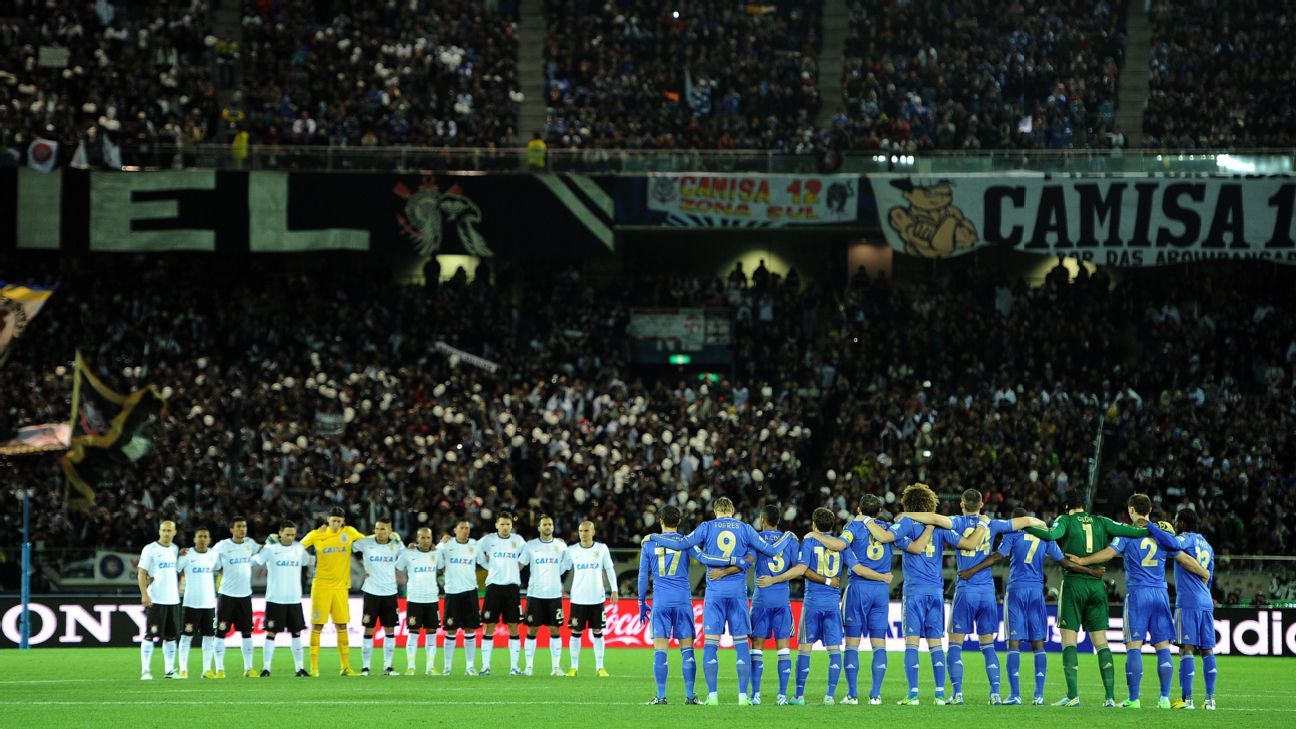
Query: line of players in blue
847	598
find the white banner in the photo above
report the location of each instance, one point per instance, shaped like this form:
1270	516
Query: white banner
1121	221
703	200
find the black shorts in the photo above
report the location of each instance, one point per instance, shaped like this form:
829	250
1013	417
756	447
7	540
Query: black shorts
544	611
502	604
199	621
421	616
283	616
461	612
380	609
163	622
586	616
236	613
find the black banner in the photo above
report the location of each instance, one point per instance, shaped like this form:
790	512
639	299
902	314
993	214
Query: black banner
400	217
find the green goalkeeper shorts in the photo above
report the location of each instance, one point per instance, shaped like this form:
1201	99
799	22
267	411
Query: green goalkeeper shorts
1082	603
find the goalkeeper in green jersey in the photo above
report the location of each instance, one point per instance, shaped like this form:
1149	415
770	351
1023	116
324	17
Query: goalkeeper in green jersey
1082	601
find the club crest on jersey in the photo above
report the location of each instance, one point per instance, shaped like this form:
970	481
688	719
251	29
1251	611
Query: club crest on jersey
344	538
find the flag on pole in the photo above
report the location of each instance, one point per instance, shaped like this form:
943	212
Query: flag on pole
19	304
109	431
37	439
42	154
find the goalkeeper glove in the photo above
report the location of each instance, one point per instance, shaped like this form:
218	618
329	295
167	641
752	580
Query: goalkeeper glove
1166	527
644	612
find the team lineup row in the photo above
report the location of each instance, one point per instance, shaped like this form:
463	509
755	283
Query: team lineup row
838	609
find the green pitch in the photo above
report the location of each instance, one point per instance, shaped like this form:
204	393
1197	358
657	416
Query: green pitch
101	688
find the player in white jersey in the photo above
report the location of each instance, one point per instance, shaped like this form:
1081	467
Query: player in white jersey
380	553
501	555
544	606
234	594
458	558
589	562
199	566
283	558
159	584
421	594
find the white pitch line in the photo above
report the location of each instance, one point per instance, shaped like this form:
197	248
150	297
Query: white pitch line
402	702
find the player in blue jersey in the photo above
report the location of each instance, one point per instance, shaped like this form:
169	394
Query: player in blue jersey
771	607
975	609
725	603
1025	617
866	612
1194	606
821	619
924	588
672	604
1147	602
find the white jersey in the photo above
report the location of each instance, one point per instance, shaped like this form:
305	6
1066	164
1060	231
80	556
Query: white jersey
379	564
460	564
420	570
160	564
236	566
588	566
546	560
283	572
502	559
199	570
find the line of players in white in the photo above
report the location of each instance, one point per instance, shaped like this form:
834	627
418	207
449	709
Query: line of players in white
164	567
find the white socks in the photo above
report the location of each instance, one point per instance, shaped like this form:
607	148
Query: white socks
515	650
267	652
598	650
146	655
555	650
185	642
208	651
488	645
573	651
220	653
367	651
297	653
168	655
247	654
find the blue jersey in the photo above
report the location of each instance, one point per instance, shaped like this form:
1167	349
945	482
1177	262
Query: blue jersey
1145	563
1026	553
1191	593
967	558
723	539
826	563
867	551
923	571
669	568
775	566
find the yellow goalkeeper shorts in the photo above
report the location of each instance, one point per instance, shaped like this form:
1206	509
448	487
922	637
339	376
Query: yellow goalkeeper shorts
329	605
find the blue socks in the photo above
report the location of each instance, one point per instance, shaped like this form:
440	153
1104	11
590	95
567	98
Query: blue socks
784	669
834	670
1014	672
1134	672
1041	671
743	662
690	670
879	670
938	669
852	672
1208	665
757	670
955	666
1187	671
992	666
803	673
711	664
659	672
911	668
1165	670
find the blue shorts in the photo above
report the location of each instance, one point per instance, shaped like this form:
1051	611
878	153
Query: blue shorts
974	608
1195	628
717	612
924	616
673	622
868	609
1025	617
821	624
1147	613
771	621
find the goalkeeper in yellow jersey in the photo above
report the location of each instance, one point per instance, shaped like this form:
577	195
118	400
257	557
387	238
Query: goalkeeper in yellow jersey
332	584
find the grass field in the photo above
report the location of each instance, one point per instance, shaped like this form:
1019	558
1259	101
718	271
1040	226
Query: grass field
101	688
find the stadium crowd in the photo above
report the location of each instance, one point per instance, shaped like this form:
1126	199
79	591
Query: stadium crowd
1221	76
80	72
712	75
923	75
440	74
833	394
